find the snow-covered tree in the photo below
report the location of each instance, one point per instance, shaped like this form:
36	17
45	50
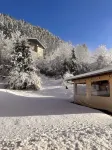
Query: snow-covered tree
102	57
53	64
82	53
6	43
5	47
2	37
72	63
65	59
23	74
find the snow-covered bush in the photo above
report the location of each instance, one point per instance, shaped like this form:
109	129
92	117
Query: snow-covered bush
22	80
23	74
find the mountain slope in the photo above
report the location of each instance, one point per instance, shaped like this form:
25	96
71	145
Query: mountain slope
10	25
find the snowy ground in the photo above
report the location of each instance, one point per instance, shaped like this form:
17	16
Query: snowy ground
46	120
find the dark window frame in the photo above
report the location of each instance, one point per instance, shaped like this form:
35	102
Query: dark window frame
101	84
81	94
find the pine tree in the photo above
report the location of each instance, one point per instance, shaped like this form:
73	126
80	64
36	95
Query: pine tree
73	54
72	63
23	74
65	66
21	57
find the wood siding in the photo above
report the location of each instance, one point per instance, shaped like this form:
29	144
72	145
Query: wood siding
39	51
89	100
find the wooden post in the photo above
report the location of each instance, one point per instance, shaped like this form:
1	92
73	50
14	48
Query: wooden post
110	84
88	84
75	90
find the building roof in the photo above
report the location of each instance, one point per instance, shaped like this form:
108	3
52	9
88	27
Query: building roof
36	41
91	74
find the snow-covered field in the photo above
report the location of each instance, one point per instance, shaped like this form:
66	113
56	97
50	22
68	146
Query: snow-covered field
46	120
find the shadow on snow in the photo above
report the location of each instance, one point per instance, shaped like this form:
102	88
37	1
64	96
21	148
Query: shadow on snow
12	106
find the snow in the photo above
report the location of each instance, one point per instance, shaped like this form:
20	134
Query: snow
90	74
46	120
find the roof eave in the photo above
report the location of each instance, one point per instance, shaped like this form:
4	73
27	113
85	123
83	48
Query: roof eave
90	74
37	42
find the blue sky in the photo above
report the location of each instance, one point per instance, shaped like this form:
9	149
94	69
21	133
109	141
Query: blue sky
78	21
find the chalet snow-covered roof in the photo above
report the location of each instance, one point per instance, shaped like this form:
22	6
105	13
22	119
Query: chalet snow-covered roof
91	74
35	40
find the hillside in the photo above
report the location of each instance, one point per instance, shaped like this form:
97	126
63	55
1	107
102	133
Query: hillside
10	25
64	57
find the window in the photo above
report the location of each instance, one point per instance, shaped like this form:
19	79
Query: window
81	89
100	88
